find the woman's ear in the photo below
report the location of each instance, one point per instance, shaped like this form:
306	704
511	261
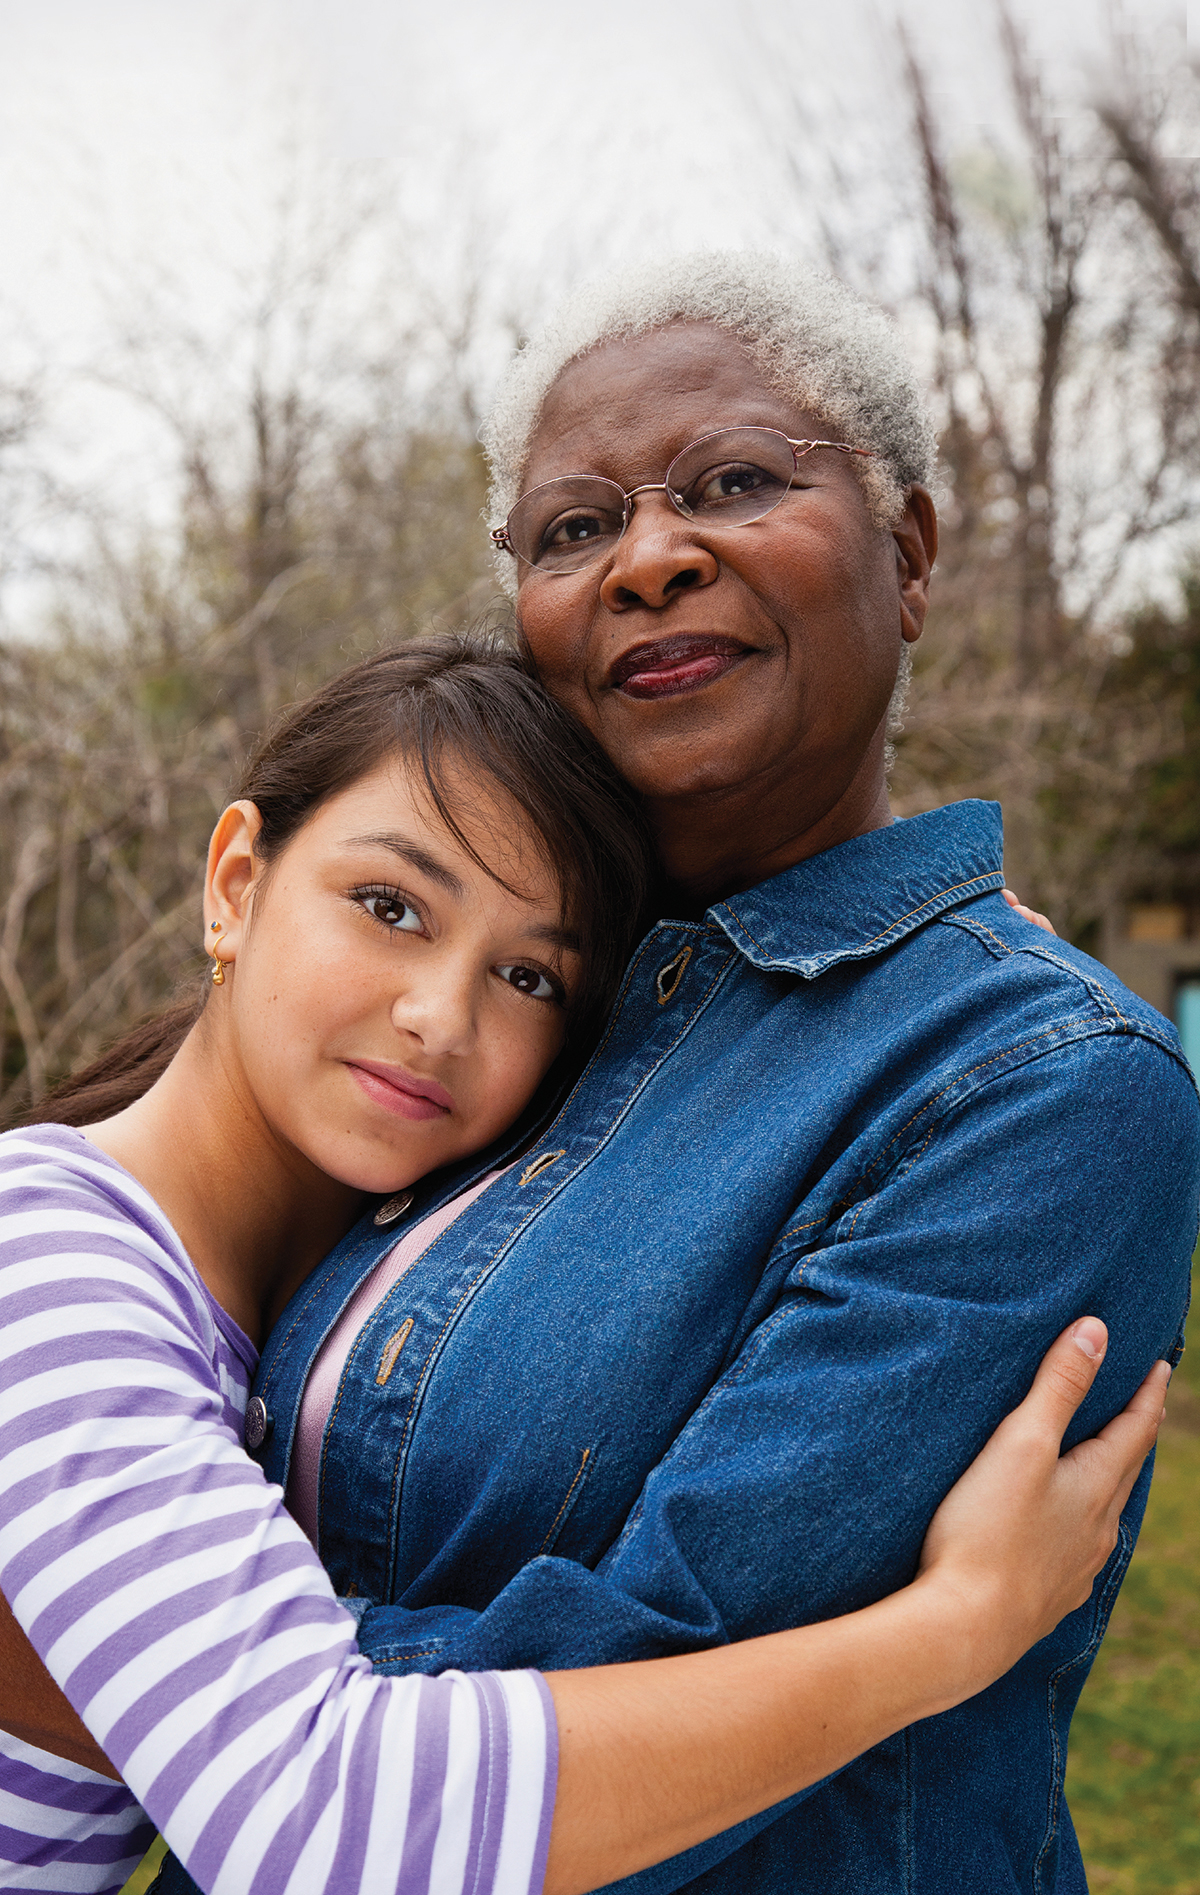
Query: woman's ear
230	878
916	542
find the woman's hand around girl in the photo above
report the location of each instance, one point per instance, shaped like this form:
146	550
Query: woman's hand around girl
1038	919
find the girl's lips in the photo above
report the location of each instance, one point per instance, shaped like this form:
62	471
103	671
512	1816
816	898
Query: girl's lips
398	1093
672	665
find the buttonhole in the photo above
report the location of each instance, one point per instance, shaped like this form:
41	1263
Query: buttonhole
669	977
392	1348
541	1163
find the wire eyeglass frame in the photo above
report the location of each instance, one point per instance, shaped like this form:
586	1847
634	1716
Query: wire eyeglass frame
587	551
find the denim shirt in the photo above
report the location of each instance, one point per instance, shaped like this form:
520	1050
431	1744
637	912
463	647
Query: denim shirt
855	1147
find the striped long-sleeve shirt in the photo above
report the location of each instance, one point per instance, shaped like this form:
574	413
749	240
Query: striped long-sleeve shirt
186	1616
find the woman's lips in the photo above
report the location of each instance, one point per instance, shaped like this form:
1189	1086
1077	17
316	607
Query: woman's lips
671	665
399	1093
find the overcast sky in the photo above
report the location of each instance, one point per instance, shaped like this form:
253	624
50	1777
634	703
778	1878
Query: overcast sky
145	142
151	124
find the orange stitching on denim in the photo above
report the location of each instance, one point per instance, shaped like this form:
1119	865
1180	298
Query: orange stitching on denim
957	1081
566	1503
309	1300
683	1030
795	1229
1005	1053
400	1338
1097	994
979	928
954	889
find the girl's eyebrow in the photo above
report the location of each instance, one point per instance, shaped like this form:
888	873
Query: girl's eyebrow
558	937
416	858
553	933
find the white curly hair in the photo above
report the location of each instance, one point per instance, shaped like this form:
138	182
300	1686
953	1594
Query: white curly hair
816	341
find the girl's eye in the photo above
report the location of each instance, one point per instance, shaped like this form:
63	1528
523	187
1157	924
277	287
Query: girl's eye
531	981
391	910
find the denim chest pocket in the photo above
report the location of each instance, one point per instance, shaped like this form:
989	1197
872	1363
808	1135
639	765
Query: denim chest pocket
557	1536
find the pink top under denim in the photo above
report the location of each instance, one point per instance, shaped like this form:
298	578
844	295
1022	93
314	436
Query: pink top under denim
321	1387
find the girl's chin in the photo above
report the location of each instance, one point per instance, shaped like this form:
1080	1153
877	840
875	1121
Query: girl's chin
382	1168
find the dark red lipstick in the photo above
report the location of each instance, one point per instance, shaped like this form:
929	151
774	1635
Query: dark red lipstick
668	666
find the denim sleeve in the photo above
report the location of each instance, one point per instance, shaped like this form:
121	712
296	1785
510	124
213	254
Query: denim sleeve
803	1485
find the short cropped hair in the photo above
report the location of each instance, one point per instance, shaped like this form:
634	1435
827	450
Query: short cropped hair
815	340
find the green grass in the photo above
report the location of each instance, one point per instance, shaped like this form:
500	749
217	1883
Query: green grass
1133	1775
146	1869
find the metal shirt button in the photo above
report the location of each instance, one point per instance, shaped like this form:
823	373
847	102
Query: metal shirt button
258	1423
394	1208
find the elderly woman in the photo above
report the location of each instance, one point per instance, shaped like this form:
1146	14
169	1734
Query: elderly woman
856	1143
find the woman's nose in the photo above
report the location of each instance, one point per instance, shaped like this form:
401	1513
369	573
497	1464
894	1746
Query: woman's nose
657	556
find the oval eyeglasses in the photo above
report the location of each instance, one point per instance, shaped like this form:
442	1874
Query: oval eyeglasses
724	479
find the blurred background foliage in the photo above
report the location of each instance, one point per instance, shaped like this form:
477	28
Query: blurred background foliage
327	497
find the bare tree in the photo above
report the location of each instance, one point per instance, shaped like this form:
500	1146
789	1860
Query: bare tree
327	501
1062	458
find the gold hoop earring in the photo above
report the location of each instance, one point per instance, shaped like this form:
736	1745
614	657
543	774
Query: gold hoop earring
218	970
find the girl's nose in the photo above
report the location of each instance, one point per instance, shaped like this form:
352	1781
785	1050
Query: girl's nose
437	1008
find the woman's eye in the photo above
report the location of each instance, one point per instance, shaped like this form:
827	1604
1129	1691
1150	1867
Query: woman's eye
573	529
722	484
391	910
529	980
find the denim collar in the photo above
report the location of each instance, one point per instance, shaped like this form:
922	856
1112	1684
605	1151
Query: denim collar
852	902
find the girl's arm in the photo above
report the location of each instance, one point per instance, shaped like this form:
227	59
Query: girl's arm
655	1757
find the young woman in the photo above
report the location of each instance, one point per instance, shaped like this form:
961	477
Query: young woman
428	886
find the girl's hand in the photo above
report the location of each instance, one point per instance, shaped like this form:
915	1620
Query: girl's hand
1019	1540
1029	914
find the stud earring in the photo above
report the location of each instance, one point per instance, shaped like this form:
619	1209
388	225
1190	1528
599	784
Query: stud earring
218	971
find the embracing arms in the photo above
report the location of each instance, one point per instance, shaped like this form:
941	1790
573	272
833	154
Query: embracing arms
655	1757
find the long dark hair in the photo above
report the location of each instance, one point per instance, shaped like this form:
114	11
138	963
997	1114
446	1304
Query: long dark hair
449	700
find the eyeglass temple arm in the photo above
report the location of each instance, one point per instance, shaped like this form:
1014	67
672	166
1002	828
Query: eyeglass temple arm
841	447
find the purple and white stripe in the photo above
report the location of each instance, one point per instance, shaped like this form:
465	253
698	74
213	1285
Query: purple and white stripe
185	1614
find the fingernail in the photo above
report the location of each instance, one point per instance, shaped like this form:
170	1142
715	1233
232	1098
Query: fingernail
1090	1336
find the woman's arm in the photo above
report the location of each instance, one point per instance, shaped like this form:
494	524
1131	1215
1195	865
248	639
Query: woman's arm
657	1756
34	1709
